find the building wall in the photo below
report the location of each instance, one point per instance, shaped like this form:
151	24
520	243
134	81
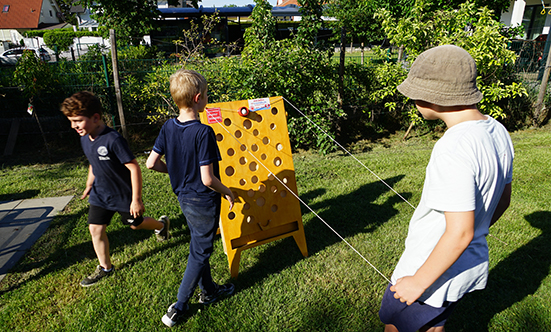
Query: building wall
529	14
49	12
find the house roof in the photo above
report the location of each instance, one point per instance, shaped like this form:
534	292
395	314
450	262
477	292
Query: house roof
224	11
284	3
21	14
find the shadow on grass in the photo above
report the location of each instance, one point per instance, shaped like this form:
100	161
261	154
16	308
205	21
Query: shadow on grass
22	195
348	215
50	252
509	282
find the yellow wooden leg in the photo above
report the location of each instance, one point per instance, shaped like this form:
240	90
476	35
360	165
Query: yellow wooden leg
234	257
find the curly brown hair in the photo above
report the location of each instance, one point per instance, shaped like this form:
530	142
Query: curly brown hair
83	103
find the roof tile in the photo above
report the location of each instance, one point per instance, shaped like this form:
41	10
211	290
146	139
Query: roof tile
21	14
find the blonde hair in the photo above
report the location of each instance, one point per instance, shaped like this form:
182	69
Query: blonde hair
185	85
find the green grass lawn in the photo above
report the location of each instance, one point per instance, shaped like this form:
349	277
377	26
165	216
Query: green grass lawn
333	289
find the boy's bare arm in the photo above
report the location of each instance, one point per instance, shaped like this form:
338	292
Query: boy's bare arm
503	204
89	183
155	163
211	181
456	238
136	206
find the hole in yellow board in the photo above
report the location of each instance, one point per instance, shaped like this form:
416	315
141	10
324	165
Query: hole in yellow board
260	201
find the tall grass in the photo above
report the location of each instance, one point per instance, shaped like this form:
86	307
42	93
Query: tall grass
333	289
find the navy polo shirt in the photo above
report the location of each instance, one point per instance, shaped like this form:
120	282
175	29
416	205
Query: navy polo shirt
187	146
112	188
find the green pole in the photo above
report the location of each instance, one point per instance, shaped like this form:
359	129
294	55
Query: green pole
103	58
105	72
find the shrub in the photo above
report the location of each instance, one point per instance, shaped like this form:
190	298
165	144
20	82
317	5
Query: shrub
471	28
61	40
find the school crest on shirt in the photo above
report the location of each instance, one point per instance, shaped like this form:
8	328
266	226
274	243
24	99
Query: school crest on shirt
102	151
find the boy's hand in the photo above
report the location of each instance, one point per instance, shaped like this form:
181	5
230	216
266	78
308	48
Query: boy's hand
230	199
86	192
136	208
407	290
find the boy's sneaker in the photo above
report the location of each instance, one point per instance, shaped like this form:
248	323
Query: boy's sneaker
221	291
96	276
172	315
163	234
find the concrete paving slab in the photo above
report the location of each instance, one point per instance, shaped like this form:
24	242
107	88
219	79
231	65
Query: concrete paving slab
22	222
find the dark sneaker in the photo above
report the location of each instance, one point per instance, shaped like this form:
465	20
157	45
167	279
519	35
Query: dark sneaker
172	315
96	276
163	234
221	291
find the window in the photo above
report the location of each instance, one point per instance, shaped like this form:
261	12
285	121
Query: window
533	21
6	9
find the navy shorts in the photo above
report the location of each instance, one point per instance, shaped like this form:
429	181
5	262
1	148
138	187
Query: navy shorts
410	318
100	216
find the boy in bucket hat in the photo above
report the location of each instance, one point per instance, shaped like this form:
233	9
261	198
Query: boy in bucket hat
467	188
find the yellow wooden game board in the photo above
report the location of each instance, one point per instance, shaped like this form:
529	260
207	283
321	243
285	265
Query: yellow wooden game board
257	165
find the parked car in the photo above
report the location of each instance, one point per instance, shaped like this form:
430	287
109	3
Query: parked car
11	56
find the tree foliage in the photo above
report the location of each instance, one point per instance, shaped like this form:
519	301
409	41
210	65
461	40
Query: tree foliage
469	27
356	17
61	40
260	35
131	19
311	12
65	8
32	75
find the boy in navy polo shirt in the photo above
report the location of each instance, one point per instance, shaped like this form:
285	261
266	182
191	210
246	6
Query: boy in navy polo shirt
114	181
192	156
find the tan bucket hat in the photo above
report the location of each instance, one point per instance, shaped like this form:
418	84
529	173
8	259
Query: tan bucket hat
444	75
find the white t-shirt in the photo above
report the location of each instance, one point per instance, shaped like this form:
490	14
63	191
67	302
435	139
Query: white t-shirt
468	170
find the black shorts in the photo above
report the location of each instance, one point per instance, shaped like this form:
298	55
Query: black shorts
413	317
100	216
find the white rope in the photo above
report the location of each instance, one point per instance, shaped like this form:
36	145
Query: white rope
306	205
326	134
350	154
